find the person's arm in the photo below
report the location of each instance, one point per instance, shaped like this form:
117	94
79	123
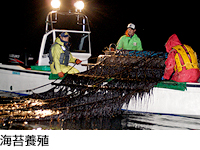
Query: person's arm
72	59
120	43
56	57
170	64
139	45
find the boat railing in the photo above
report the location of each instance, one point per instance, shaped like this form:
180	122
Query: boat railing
51	34
52	18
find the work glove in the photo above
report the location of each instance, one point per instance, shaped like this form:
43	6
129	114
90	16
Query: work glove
78	61
61	74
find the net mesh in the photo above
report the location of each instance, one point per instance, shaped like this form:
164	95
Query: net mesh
99	92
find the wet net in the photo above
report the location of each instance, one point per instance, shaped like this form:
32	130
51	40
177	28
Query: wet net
99	92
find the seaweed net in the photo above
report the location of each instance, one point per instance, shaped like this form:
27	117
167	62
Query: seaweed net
99	92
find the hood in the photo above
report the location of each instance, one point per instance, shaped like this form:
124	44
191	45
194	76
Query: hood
172	41
59	41
126	33
63	43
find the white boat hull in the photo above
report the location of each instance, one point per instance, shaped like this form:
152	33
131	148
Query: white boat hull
168	101
19	80
160	100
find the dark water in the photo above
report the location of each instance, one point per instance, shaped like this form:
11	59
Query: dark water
146	121
130	121
126	121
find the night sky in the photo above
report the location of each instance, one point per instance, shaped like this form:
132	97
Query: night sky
154	21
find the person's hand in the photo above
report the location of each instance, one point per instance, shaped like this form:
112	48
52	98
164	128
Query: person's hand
78	61
61	74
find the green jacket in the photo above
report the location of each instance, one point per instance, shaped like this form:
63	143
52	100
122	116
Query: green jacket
56	52
129	43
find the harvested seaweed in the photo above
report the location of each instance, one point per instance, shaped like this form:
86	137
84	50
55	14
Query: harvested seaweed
99	92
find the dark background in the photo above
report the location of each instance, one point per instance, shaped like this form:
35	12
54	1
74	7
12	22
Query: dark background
155	22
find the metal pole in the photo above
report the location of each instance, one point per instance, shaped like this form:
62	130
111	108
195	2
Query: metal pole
83	23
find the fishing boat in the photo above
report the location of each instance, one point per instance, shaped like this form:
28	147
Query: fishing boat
164	98
22	80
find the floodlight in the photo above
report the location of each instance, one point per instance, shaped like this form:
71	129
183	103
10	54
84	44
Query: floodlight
79	5
55	3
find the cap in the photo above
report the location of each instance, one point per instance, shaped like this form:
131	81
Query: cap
64	34
131	25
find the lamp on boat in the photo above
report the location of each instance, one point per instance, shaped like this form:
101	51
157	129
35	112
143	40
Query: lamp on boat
79	5
55	4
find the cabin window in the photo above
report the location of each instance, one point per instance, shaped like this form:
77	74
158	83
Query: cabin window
48	44
79	42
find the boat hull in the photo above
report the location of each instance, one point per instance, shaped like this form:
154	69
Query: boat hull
19	80
168	101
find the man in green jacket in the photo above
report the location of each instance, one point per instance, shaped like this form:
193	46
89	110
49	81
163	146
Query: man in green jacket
60	56
130	41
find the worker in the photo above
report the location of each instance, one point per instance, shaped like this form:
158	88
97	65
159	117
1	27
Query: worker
130	41
182	61
60	56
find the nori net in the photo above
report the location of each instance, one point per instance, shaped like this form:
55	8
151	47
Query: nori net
98	92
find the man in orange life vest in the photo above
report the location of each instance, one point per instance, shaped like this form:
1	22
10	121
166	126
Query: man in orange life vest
182	60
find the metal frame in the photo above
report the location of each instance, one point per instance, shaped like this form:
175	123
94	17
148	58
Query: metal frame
50	22
49	19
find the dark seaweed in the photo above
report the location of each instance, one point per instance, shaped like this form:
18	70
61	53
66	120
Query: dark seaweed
98	92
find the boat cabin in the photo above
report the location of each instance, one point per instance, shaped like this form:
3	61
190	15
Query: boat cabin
79	38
